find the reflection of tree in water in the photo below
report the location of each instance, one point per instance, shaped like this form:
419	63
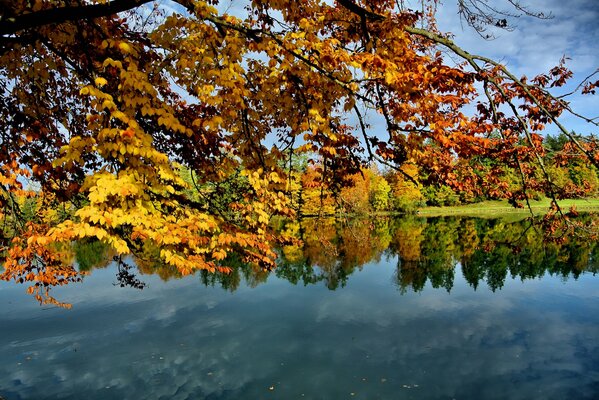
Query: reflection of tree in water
406	239
355	243
427	250
126	276
327	254
91	254
516	250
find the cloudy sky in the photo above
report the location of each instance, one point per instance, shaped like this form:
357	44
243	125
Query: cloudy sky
535	46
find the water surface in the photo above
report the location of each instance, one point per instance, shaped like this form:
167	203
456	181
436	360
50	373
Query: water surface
449	323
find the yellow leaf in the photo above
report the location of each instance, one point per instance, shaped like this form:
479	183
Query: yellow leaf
101	82
125	48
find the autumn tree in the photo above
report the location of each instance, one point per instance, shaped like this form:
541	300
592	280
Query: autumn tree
572	174
406	193
355	196
314	195
380	191
103	102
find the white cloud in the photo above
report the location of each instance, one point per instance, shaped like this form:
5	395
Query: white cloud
536	45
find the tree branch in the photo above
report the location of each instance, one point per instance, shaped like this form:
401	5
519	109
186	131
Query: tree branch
472	58
14	24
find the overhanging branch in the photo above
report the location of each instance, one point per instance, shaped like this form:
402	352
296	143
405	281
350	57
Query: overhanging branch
472	60
14	24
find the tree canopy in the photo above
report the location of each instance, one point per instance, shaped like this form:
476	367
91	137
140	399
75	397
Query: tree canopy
175	132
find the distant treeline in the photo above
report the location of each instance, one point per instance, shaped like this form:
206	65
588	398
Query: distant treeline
379	189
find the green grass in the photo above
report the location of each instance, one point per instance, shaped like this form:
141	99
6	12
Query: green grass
499	208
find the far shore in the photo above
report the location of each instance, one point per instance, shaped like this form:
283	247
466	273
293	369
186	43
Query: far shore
484	209
497	208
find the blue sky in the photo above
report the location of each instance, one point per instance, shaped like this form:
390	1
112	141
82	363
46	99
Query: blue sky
535	46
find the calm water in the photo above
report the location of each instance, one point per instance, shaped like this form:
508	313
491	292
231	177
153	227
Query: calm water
400	324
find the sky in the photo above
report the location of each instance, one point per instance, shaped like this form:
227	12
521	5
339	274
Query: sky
535	46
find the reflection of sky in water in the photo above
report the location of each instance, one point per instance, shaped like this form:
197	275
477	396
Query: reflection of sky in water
532	339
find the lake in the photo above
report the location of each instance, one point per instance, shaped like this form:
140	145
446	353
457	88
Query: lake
444	308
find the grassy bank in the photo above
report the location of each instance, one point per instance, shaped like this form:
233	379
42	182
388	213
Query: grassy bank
499	208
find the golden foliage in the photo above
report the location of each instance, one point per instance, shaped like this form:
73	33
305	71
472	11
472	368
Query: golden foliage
102	109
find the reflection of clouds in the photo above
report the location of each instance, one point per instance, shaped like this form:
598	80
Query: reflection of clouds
185	341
